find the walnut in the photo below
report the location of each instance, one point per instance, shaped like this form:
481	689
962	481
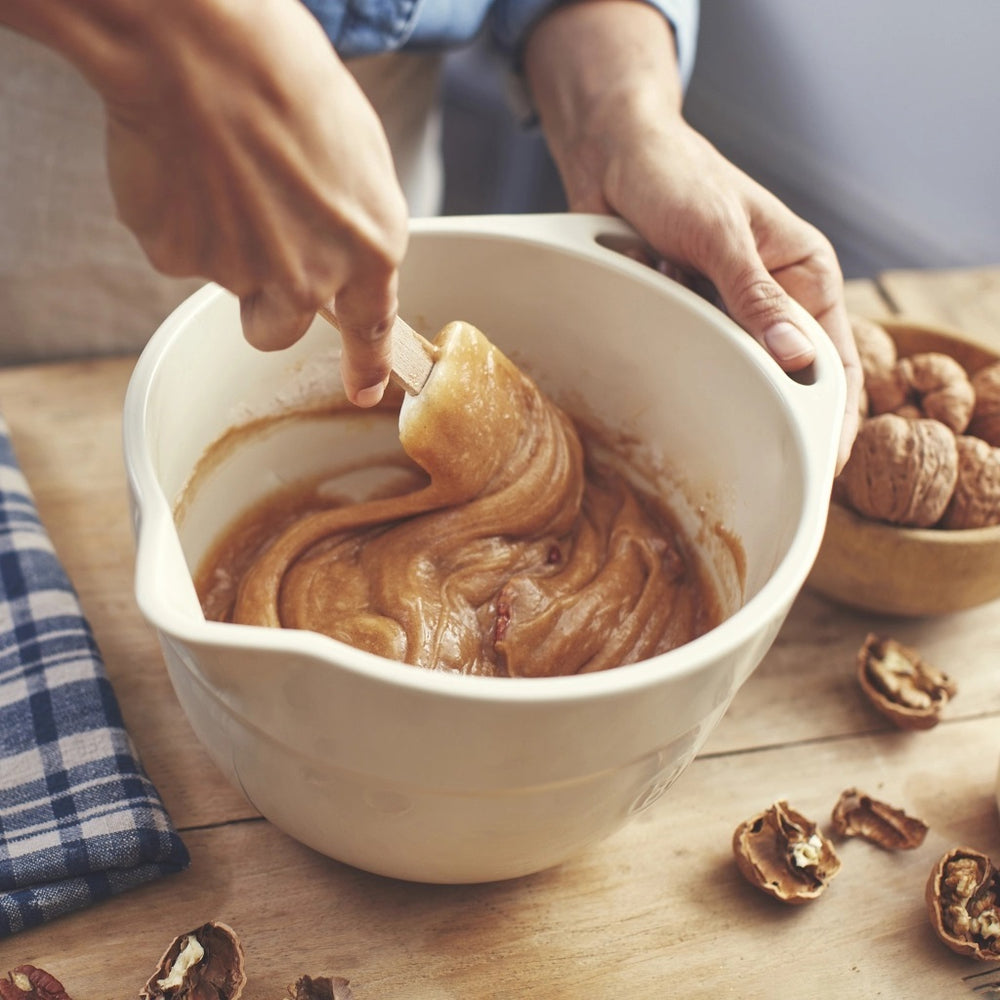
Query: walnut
785	855
27	982
901	471
930	384
962	903
876	348
321	988
985	421
206	962
859	815
975	502
901	685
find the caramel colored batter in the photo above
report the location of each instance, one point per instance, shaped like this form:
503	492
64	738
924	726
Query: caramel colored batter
516	555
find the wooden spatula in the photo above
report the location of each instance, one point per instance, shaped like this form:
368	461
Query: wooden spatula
413	356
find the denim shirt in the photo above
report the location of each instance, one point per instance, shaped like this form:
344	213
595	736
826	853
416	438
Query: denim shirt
368	27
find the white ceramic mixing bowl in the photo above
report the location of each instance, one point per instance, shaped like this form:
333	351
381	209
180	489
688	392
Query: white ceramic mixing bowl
448	778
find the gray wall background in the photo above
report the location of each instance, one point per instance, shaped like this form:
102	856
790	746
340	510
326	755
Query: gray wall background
877	120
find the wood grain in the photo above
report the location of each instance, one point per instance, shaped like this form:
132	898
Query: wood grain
657	910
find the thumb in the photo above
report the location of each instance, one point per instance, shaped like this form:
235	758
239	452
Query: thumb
765	310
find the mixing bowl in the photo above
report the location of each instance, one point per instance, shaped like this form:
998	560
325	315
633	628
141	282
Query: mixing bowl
443	777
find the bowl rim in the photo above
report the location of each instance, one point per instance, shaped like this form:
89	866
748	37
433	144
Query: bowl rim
758	616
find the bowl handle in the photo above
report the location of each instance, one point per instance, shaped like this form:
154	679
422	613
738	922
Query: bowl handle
817	395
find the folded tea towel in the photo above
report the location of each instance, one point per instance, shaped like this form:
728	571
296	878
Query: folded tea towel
79	818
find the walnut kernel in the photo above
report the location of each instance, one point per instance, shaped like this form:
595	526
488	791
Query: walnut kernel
785	855
901	685
961	896
859	815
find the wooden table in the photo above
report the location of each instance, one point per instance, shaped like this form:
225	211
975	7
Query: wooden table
658	910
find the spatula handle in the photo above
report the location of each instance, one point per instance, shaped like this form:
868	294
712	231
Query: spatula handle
413	356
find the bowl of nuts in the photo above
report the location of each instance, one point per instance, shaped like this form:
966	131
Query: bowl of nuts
914	523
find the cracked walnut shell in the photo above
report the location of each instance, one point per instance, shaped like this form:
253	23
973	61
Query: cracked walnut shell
859	815
321	988
985	421
28	982
901	684
901	471
961	897
203	964
975	501
785	855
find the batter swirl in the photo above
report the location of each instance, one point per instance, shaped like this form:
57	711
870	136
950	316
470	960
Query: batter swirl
519	556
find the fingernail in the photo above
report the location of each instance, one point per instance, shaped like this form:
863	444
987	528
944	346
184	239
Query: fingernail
370	396
786	341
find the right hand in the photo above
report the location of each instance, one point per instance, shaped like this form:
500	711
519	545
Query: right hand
240	149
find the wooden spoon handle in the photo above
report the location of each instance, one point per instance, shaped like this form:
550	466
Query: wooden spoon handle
413	356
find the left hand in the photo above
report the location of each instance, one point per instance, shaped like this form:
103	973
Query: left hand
604	78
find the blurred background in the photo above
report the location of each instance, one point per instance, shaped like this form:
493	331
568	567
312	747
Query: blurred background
876	120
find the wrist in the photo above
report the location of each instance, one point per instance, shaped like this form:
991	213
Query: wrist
602	73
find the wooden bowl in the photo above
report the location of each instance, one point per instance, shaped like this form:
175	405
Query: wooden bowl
887	569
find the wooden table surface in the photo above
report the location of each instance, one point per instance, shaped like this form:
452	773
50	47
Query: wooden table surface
657	910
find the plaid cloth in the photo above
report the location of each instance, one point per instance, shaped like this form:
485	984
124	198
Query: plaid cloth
79	819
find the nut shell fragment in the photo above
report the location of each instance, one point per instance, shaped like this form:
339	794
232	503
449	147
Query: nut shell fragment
203	964
901	684
785	855
901	471
961	896
859	815
321	988
975	501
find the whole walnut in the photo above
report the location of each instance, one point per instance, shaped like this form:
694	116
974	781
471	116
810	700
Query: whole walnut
901	471
985	421
929	384
876	348
975	502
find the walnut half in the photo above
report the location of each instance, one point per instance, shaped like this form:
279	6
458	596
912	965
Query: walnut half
785	855
204	963
901	684
28	982
961	898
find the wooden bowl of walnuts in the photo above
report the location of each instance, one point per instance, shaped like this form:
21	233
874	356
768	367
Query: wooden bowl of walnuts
914	524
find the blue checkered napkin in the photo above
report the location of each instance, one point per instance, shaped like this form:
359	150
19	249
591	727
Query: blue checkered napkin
79	819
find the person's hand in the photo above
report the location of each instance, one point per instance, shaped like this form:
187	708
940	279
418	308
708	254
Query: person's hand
604	79
240	149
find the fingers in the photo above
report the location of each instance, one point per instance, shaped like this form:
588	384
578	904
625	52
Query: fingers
763	283
755	299
365	314
271	322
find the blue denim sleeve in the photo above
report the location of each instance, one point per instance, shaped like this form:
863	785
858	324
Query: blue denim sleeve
367	27
511	20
